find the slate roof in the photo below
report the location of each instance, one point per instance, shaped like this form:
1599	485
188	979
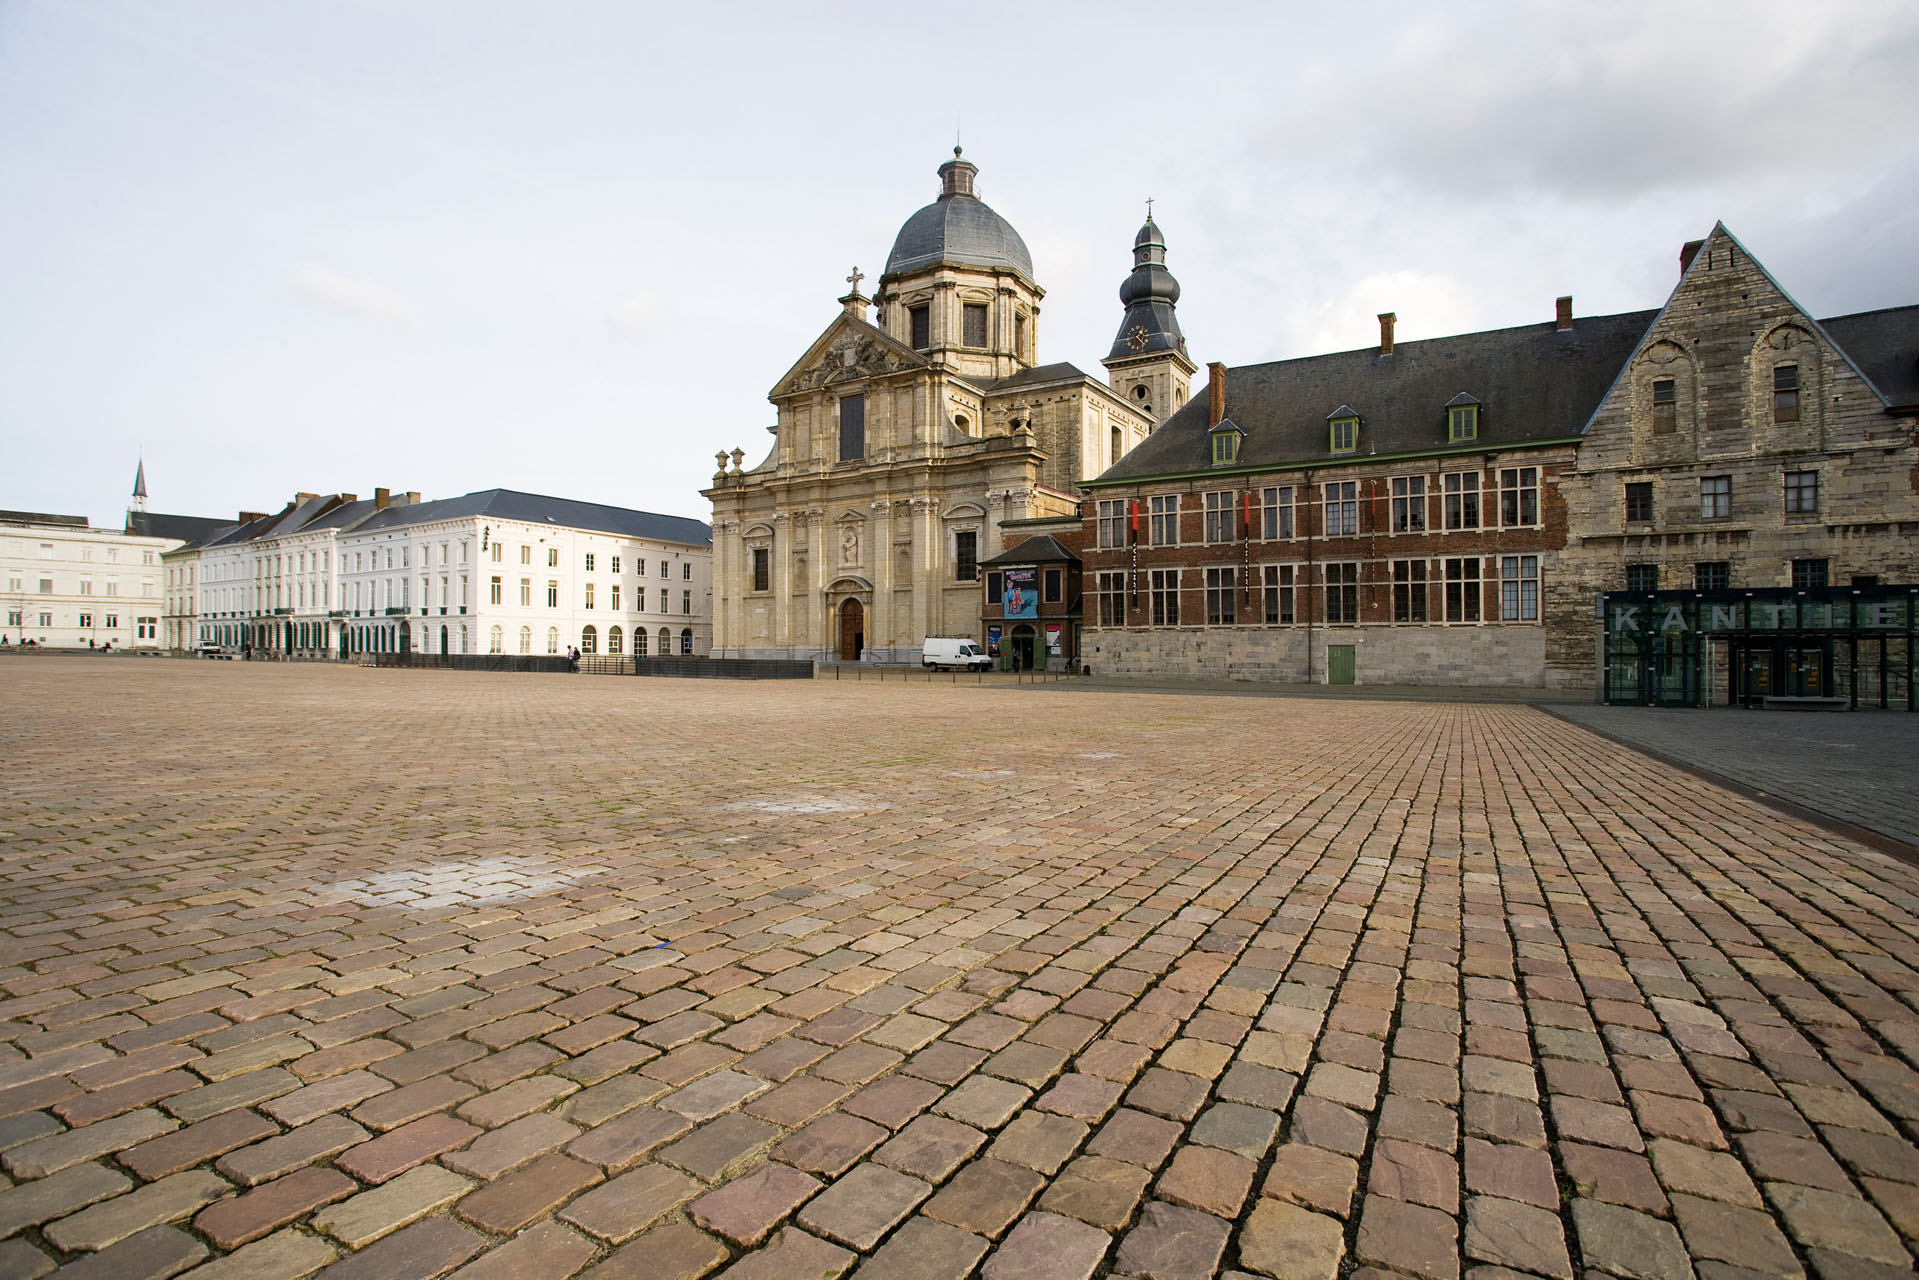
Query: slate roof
1885	346
1042	549
1038	374
158	524
958	228
533	508
1535	382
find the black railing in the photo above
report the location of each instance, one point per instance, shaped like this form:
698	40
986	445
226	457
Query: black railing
603	665
469	661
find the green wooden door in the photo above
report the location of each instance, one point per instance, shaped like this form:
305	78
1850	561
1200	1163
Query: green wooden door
1339	664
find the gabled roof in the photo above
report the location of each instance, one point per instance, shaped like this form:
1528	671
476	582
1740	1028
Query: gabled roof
158	524
533	508
889	355
1043	549
1534	382
1885	347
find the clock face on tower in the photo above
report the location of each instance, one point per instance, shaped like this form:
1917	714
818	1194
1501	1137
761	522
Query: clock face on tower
1137	339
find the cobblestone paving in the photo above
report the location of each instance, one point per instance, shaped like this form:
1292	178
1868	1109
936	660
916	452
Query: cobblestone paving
401	974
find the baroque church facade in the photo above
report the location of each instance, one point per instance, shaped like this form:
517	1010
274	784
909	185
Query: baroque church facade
907	442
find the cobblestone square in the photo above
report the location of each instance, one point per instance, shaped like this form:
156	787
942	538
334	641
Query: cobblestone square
394	974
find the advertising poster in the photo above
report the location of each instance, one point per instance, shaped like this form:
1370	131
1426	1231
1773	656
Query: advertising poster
1022	593
1052	638
992	640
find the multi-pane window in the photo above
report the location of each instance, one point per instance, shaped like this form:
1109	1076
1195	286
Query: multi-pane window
1164	592
1164	523
762	574
1519	588
966	555
589	562
1225	447
639	642
614	593
1345	437
1219	516
1342	508
589	595
686	570
1052	586
493	639
526	592
1279	583
920	323
1639	502
493	591
1712	575
1810	573
852	429
1111	591
526	639
526	556
1715	497
1462	589
1802	492
1112	522
552	558
1665	406
615	564
1785	393
1519	496
495	551
663	572
1462	423
664	593
1342	592
552	594
1409	504
1276	512
973	324
1642	577
1409	591
552	639
686	602
1220	597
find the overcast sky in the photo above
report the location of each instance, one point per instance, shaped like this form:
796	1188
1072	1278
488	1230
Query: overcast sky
449	245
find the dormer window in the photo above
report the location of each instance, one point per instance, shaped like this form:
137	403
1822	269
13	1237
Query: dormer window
1345	429
1462	419
1226	437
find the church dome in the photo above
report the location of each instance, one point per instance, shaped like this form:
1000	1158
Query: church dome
958	227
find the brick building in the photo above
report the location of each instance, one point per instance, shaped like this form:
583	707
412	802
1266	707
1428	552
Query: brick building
1447	511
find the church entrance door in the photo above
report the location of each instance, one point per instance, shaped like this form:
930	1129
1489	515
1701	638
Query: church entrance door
852	630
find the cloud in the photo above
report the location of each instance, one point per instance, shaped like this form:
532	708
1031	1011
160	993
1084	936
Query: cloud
364	298
1428	305
639	318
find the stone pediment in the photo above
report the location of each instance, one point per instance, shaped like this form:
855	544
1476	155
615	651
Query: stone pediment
848	351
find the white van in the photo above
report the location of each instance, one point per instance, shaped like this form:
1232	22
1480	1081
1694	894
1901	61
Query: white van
950	651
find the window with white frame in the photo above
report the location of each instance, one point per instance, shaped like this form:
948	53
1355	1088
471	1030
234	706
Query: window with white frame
1164	593
1219	516
1111	593
1342	592
1342	508
1276	512
1518	496
1519	588
1279	584
1111	524
1221	596
1409	504
1409	591
1164	525
1462	588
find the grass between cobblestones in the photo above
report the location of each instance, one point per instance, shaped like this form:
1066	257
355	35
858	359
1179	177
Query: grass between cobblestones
406	974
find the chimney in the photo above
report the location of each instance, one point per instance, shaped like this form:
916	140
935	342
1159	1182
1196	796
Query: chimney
412	497
382	498
298	498
1215	394
1563	309
1386	319
349	497
1688	252
248	517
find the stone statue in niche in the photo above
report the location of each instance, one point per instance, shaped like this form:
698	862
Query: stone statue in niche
849	544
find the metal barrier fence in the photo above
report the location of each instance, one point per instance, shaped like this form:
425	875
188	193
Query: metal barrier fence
604	665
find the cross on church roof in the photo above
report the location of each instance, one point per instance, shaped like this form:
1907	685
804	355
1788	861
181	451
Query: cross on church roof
855	279
1149	208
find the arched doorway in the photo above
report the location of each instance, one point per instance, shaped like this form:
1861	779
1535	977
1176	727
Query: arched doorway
1023	646
442	638
852	630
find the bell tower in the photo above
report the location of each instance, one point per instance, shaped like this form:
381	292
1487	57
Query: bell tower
1148	364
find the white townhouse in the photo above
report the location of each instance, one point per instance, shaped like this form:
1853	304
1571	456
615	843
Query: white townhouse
500	571
70	585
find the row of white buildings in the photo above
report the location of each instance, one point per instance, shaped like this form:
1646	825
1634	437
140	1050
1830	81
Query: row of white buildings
497	571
